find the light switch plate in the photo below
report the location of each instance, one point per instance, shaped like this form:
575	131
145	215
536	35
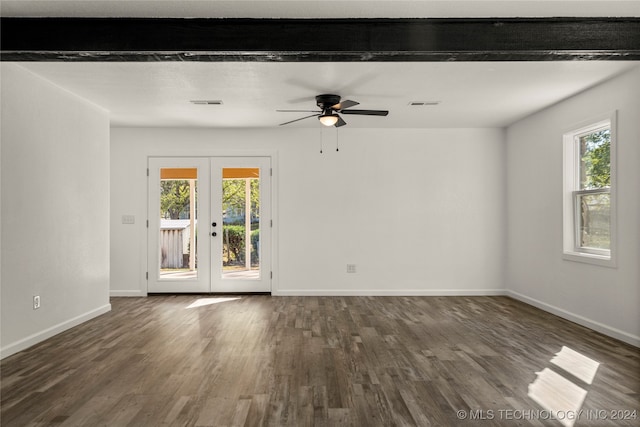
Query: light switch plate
128	219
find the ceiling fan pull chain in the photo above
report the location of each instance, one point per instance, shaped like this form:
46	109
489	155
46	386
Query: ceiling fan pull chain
320	140
337	139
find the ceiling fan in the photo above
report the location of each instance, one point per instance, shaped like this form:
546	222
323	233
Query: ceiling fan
330	106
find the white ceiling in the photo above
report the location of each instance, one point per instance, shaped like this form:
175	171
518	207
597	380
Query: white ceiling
471	94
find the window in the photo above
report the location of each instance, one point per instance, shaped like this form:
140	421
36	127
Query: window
589	192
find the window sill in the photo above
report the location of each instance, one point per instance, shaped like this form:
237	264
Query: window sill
587	258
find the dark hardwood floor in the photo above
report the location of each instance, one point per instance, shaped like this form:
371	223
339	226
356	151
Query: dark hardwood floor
322	361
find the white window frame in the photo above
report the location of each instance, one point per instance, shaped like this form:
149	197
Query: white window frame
571	194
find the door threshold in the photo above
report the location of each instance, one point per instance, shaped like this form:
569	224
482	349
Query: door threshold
152	294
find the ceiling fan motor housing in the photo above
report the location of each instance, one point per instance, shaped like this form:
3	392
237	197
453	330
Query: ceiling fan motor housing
325	102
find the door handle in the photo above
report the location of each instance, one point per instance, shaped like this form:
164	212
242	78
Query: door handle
214	234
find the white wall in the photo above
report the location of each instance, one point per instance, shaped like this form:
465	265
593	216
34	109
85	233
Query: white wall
418	211
55	207
605	299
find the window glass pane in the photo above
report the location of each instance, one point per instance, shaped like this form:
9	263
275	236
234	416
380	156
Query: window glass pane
178	219
594	219
595	164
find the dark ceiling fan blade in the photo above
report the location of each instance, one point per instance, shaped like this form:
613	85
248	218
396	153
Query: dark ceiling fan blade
297	120
297	111
366	112
344	104
340	122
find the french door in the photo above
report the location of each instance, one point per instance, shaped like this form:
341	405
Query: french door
209	224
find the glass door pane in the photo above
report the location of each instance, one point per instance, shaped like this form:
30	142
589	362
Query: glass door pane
178	223
241	223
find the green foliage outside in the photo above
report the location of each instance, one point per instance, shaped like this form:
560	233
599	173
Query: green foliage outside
596	160
174	198
595	173
234	245
174	204
233	205
233	197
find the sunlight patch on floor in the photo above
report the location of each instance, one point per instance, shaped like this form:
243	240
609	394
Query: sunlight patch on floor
577	364
557	395
201	302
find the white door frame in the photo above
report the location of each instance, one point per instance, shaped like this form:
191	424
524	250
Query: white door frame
204	248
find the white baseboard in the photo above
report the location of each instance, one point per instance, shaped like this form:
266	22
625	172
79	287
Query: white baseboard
389	293
576	318
127	293
49	332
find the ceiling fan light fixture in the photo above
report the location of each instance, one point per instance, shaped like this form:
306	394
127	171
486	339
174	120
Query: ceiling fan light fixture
328	119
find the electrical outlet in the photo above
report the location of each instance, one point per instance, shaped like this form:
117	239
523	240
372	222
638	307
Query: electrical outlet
36	302
351	268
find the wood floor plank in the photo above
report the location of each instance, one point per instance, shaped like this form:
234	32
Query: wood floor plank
309	361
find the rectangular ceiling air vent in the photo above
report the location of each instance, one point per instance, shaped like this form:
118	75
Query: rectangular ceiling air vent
423	103
206	102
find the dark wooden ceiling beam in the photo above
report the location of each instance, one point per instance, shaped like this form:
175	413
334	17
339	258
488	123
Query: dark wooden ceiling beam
293	40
